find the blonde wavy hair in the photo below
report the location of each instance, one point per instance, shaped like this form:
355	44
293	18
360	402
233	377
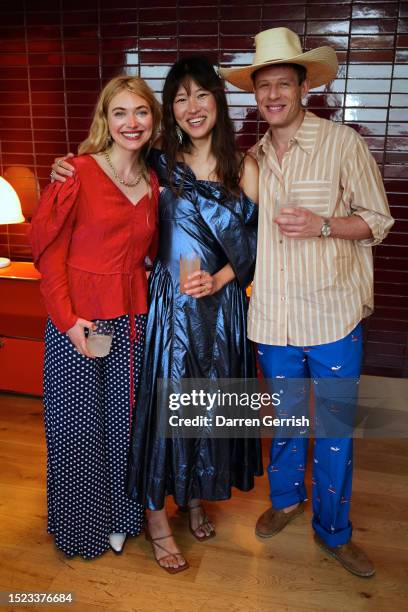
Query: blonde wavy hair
98	137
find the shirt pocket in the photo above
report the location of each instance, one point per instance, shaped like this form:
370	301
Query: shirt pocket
311	194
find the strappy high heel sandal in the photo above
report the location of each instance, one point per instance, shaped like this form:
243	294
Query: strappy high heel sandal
154	542
205	521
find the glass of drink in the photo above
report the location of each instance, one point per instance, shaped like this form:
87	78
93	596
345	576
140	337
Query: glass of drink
189	263
100	339
283	201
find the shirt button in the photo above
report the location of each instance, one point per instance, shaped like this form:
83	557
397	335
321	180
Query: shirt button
283	299
282	270
280	241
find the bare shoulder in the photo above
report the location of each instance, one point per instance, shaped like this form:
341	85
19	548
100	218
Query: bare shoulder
250	164
250	177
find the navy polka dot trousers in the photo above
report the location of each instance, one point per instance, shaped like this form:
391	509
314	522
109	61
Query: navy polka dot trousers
87	422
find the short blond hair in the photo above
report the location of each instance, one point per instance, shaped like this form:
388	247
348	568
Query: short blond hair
99	133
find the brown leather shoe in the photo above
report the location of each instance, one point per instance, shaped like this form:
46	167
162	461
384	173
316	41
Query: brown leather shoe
350	556
272	521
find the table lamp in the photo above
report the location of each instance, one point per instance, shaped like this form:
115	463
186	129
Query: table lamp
10	210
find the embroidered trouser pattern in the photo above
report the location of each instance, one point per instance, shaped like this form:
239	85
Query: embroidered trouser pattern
332	457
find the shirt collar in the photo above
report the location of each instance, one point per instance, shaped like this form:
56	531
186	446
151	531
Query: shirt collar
305	136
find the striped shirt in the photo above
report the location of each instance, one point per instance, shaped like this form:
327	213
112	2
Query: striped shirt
315	290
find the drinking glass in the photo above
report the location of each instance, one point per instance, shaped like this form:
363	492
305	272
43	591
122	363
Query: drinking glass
189	263
100	339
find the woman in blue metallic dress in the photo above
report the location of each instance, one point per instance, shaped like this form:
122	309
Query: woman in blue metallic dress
207	207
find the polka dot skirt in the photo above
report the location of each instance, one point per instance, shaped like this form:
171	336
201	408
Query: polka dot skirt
87	419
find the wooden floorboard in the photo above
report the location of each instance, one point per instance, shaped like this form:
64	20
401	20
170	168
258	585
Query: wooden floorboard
234	572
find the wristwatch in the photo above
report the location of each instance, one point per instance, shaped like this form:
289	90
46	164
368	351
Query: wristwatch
325	229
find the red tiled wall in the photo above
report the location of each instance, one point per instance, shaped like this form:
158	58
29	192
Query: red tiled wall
56	54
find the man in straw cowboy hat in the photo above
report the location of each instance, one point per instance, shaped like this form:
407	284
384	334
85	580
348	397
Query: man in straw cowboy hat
322	207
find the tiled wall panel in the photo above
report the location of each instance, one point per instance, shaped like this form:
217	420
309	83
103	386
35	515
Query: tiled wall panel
56	54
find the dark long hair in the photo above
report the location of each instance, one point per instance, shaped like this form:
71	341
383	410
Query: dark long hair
223	147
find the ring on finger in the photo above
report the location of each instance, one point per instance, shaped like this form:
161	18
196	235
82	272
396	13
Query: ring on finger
52	174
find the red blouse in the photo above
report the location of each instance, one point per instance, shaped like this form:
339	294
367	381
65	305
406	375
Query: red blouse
89	243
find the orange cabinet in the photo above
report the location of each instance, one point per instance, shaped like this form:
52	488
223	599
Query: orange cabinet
21	365
22	323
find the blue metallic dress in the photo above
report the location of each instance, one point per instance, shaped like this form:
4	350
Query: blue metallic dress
194	338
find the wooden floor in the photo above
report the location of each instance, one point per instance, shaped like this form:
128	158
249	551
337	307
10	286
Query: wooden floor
232	572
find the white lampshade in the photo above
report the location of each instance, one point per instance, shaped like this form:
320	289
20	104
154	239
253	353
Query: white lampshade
10	207
10	210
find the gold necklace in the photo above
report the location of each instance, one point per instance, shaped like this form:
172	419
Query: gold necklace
116	175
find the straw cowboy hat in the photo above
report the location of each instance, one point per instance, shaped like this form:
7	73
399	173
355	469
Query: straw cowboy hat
282	46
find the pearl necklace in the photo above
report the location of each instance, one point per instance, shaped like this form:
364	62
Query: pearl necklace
116	175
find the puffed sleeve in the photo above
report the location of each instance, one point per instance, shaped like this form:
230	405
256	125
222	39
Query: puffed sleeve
364	190
233	222
51	231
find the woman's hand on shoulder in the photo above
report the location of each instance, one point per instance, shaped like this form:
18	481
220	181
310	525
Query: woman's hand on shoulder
250	178
77	336
62	169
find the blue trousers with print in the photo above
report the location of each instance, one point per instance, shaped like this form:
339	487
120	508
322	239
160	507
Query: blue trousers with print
332	460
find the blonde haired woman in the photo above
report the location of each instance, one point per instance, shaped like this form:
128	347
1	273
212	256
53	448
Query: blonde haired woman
90	237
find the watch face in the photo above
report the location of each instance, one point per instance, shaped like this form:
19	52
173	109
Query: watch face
325	231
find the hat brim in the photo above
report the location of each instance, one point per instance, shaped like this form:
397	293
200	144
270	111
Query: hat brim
321	65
